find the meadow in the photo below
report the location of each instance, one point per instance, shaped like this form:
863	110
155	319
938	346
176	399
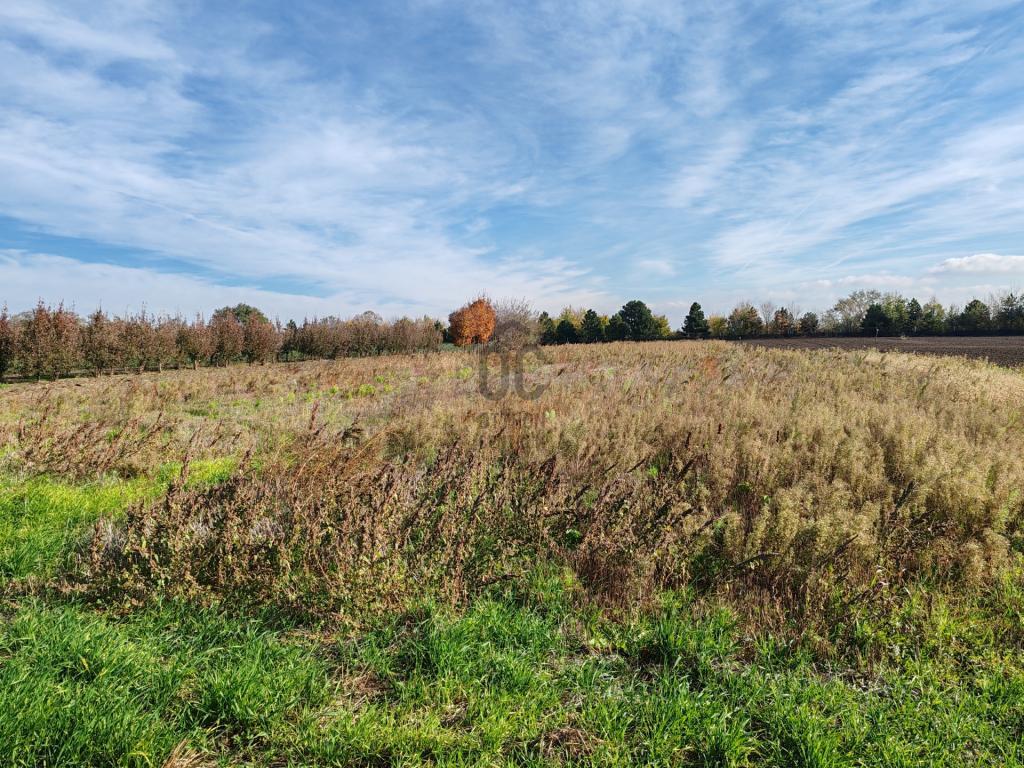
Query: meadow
674	554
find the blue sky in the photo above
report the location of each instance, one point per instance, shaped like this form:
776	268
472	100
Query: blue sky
317	157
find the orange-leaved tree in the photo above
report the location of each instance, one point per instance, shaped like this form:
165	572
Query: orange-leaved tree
473	323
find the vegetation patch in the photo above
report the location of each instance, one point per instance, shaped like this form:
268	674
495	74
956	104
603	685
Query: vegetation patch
719	556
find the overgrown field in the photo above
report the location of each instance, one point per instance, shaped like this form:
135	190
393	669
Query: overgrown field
676	554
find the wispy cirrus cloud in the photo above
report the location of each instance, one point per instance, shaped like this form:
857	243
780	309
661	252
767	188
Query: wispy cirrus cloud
708	172
413	154
350	201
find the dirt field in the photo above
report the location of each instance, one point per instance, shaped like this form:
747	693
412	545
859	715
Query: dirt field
1004	350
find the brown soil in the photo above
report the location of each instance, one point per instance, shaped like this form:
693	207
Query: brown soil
1003	350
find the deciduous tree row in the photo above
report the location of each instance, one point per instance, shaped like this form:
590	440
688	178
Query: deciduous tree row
49	342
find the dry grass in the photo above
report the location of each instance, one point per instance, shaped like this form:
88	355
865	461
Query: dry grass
690	553
791	484
183	757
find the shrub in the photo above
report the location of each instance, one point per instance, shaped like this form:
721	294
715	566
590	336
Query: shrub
789	484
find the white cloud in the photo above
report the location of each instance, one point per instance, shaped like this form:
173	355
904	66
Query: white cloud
117	30
27	277
903	153
317	189
885	281
990	263
660	267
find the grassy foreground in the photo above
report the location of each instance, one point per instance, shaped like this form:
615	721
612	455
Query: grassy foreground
678	554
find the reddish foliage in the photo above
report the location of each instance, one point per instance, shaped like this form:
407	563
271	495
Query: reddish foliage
260	341
228	337
194	342
8	342
49	342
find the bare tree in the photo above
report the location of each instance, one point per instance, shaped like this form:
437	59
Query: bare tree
515	324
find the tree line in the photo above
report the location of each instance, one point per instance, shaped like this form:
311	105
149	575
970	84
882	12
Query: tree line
53	341
870	313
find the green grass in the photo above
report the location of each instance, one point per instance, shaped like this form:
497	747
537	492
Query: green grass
514	684
41	519
522	677
83	689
